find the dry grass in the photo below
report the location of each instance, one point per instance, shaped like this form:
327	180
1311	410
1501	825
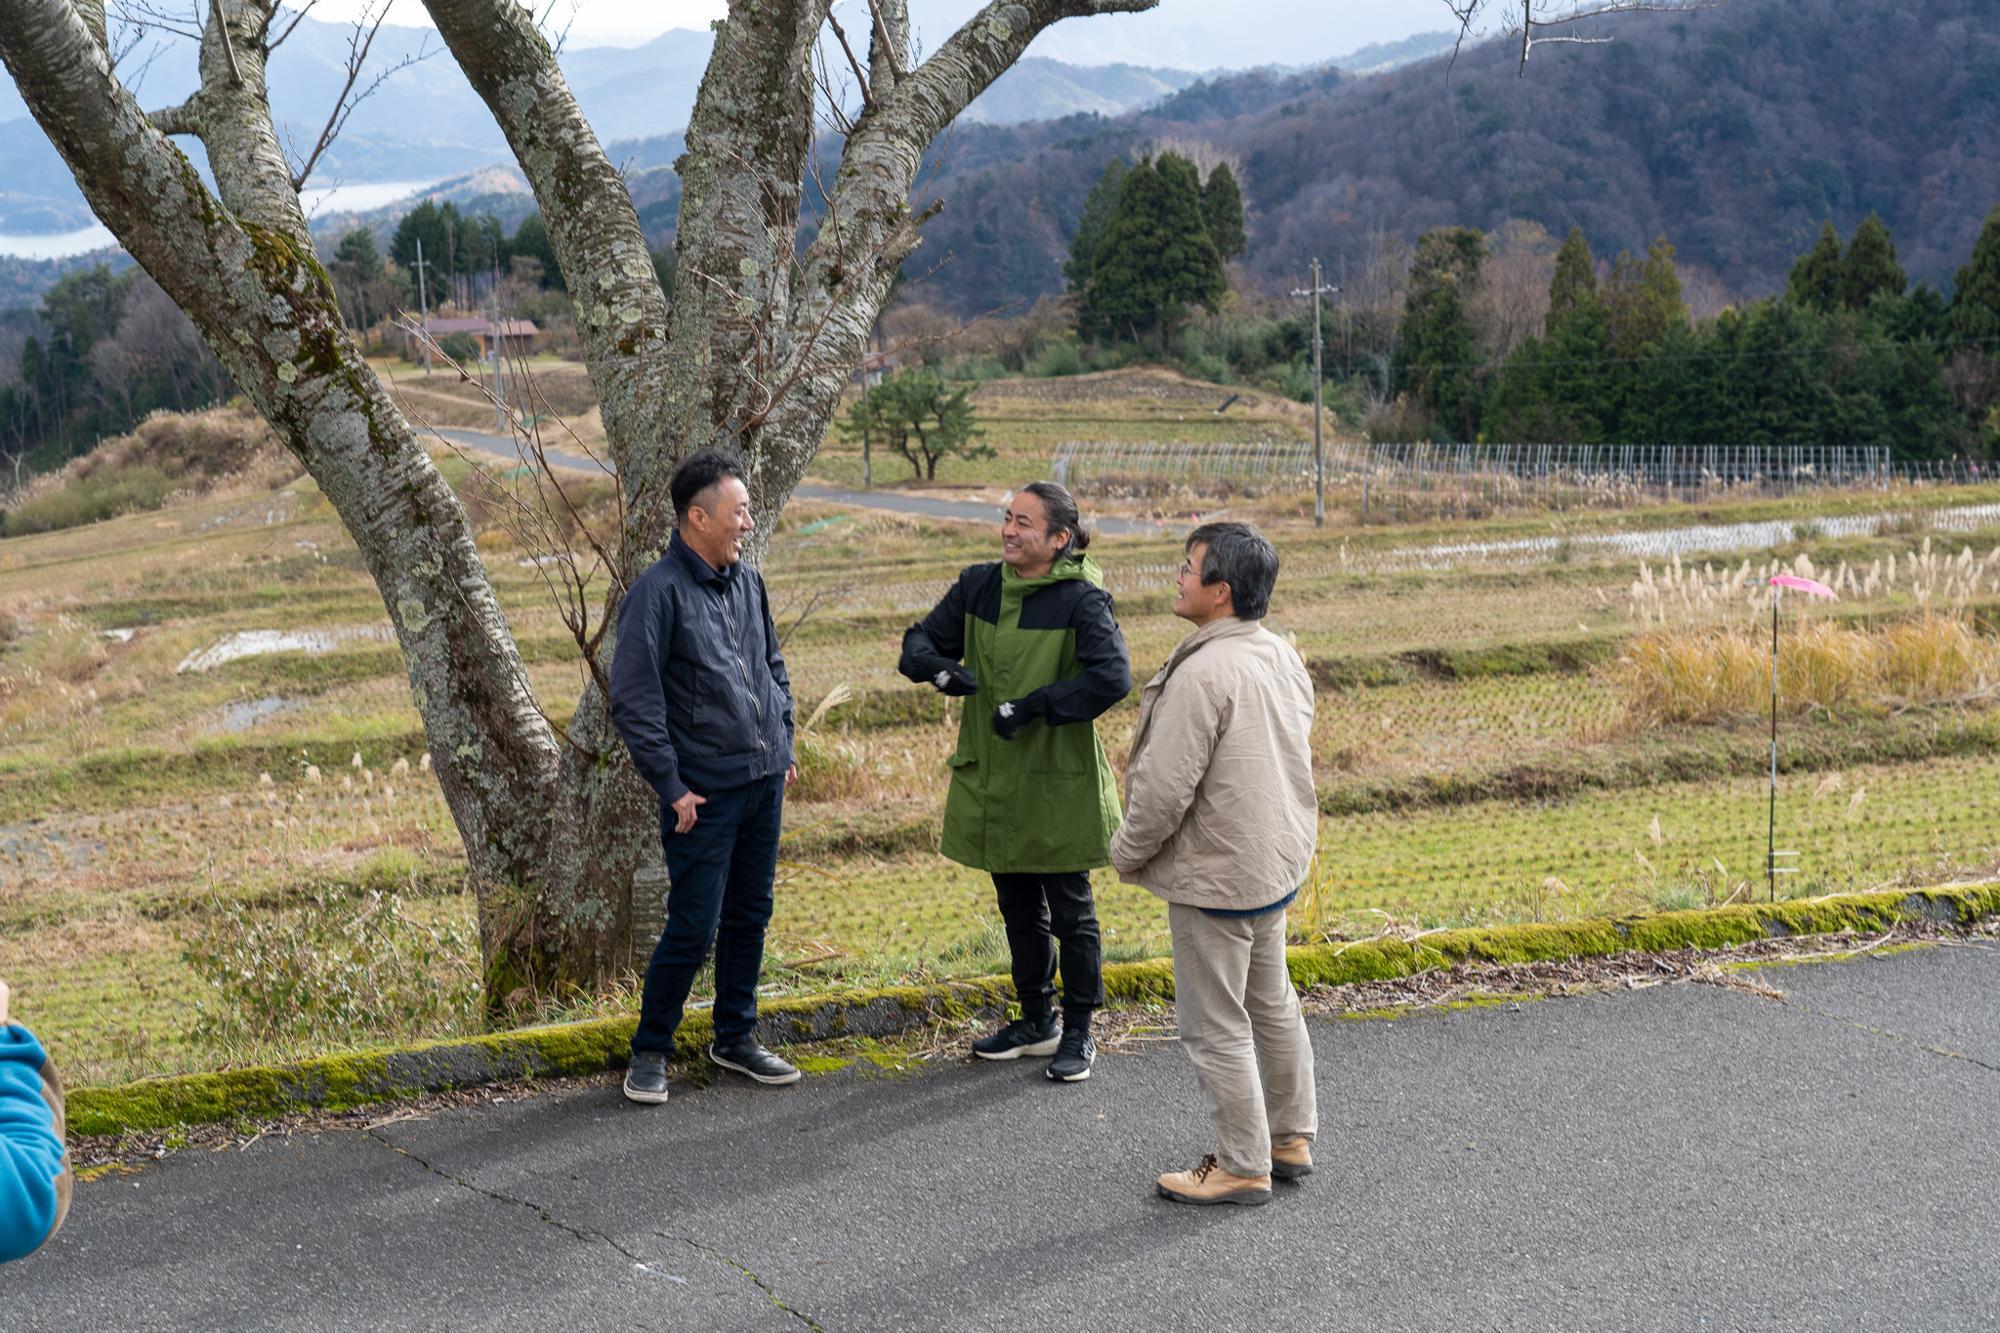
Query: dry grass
1707	674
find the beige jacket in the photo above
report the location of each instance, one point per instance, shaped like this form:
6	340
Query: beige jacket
1220	810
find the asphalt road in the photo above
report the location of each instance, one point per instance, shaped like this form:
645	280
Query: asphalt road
1682	1157
895	502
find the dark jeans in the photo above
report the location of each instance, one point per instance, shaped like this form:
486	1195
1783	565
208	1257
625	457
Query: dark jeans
720	874
1041	910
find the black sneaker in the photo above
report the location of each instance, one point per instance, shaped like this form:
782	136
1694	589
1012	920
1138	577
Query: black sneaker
1073	1060
1023	1036
646	1078
747	1057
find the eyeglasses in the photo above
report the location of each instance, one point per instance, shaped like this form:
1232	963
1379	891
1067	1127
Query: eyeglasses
1187	568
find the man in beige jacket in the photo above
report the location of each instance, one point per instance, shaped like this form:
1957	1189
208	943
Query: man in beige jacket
1221	820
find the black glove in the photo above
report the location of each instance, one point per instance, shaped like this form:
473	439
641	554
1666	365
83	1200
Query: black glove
1011	716
954	680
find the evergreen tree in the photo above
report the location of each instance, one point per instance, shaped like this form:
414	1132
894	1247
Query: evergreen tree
1975	298
357	250
356	270
1972	326
1097	212
1869	266
1815	280
1436	354
430	225
1155	257
1222	210
1575	280
1644	300
531	239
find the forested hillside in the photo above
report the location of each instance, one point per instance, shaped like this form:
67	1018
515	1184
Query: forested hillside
1735	131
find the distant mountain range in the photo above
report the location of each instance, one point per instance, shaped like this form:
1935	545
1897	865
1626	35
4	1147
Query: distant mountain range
426	123
1736	131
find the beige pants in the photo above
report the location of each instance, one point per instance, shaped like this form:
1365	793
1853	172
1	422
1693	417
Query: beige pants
1241	1024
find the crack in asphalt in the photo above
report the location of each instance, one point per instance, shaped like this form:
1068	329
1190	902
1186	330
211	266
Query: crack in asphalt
545	1216
589	1233
1862	1025
762	1285
1859	1025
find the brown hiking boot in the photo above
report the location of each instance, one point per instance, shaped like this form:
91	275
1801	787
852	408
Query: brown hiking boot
1209	1183
1292	1158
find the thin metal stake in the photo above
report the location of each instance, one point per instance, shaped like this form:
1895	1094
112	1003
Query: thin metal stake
1771	829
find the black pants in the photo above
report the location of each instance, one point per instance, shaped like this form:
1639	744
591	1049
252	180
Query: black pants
1041	910
721	872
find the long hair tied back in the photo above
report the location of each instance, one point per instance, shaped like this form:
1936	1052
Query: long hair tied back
1060	506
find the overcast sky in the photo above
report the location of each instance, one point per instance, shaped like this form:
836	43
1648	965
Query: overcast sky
1185	34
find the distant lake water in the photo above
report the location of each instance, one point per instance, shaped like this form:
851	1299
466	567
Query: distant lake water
318	200
58	244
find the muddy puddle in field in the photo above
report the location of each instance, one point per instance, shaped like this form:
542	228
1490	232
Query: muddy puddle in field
259	642
247	713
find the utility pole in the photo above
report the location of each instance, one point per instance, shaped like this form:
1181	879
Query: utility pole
423	307
1319	457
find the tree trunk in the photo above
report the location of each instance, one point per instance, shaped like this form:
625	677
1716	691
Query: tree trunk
245	272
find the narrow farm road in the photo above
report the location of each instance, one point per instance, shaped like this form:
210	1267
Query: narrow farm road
1688	1156
895	502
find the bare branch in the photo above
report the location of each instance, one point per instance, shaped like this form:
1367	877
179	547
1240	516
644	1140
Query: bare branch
297	18
147	17
228	45
837	119
892	32
358	45
561	39
1536	15
1464	12
860	79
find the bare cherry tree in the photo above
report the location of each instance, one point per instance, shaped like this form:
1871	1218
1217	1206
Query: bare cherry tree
752	353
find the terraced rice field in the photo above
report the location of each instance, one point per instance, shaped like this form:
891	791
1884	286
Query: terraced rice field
1478	761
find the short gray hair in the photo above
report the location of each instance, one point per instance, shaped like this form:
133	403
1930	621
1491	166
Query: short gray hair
1242	557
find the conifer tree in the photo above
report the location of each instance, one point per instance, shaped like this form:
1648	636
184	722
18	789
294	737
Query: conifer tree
1975	300
1869	266
1815	280
1436	354
1222	210
1155	257
1098	208
1644	300
1575	280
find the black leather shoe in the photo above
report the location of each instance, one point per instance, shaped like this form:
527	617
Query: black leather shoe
646	1078
747	1057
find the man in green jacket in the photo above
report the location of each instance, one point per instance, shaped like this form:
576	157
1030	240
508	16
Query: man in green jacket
1032	646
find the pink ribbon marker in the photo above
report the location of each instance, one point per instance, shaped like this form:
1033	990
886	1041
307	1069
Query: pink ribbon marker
1812	586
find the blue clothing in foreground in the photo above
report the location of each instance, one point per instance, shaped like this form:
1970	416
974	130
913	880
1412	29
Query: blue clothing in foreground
34	1166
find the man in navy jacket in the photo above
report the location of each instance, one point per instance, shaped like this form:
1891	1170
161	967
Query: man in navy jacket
700	694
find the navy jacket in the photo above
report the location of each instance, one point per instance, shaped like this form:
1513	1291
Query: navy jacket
698	688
